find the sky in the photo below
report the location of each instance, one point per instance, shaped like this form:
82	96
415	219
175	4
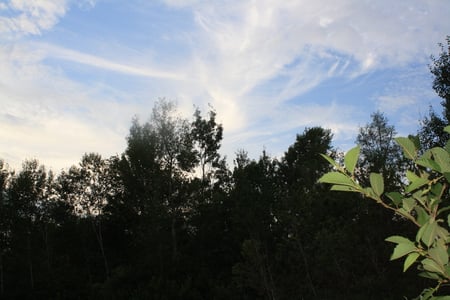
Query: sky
73	73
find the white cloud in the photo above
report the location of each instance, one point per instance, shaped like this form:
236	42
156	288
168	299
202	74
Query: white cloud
31	16
244	45
99	62
249	59
48	116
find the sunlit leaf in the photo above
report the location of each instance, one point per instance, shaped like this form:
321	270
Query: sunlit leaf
409	149
439	254
408	204
351	158
422	216
343	188
442	158
401	250
417	183
336	178
330	160
428	163
431	266
376	181
410	259
411	176
429	232
399	240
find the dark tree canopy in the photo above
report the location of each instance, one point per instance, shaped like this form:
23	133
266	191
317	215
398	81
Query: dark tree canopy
440	68
168	219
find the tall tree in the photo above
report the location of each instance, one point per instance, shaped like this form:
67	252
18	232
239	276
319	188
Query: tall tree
379	152
5	221
27	194
207	135
302	164
91	187
174	150
440	68
431	132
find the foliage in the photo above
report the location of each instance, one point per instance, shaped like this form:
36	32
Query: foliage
431	133
422	200
379	152
167	219
440	68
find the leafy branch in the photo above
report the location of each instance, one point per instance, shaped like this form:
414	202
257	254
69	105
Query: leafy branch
419	201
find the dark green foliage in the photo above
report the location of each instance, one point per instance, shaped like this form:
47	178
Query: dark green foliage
440	68
379	152
169	220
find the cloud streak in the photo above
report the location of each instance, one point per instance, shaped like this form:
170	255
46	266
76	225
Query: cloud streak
102	63
31	16
266	66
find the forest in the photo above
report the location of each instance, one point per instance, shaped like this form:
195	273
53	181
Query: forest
170	219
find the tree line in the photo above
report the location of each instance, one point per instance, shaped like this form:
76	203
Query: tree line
169	219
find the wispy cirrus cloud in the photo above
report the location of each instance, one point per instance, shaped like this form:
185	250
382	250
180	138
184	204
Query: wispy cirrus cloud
56	52
33	17
19	17
293	47
268	67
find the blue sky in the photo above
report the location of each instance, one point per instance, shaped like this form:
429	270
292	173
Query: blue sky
74	73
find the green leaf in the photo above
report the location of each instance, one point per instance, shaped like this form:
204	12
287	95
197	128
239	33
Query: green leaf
442	233
343	188
396	197
410	259
431	266
401	211
419	182
351	158
409	149
396	239
429	232
427	294
376	181
402	249
420	232
368	192
429	275
420	197
447	129
408	204
441	298
411	176
337	178
330	160
447	146
442	158
447	176
422	216
428	163
439	254
437	189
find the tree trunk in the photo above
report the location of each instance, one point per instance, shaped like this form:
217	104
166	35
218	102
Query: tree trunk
308	274
99	236
174	240
2	282
47	247
30	261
